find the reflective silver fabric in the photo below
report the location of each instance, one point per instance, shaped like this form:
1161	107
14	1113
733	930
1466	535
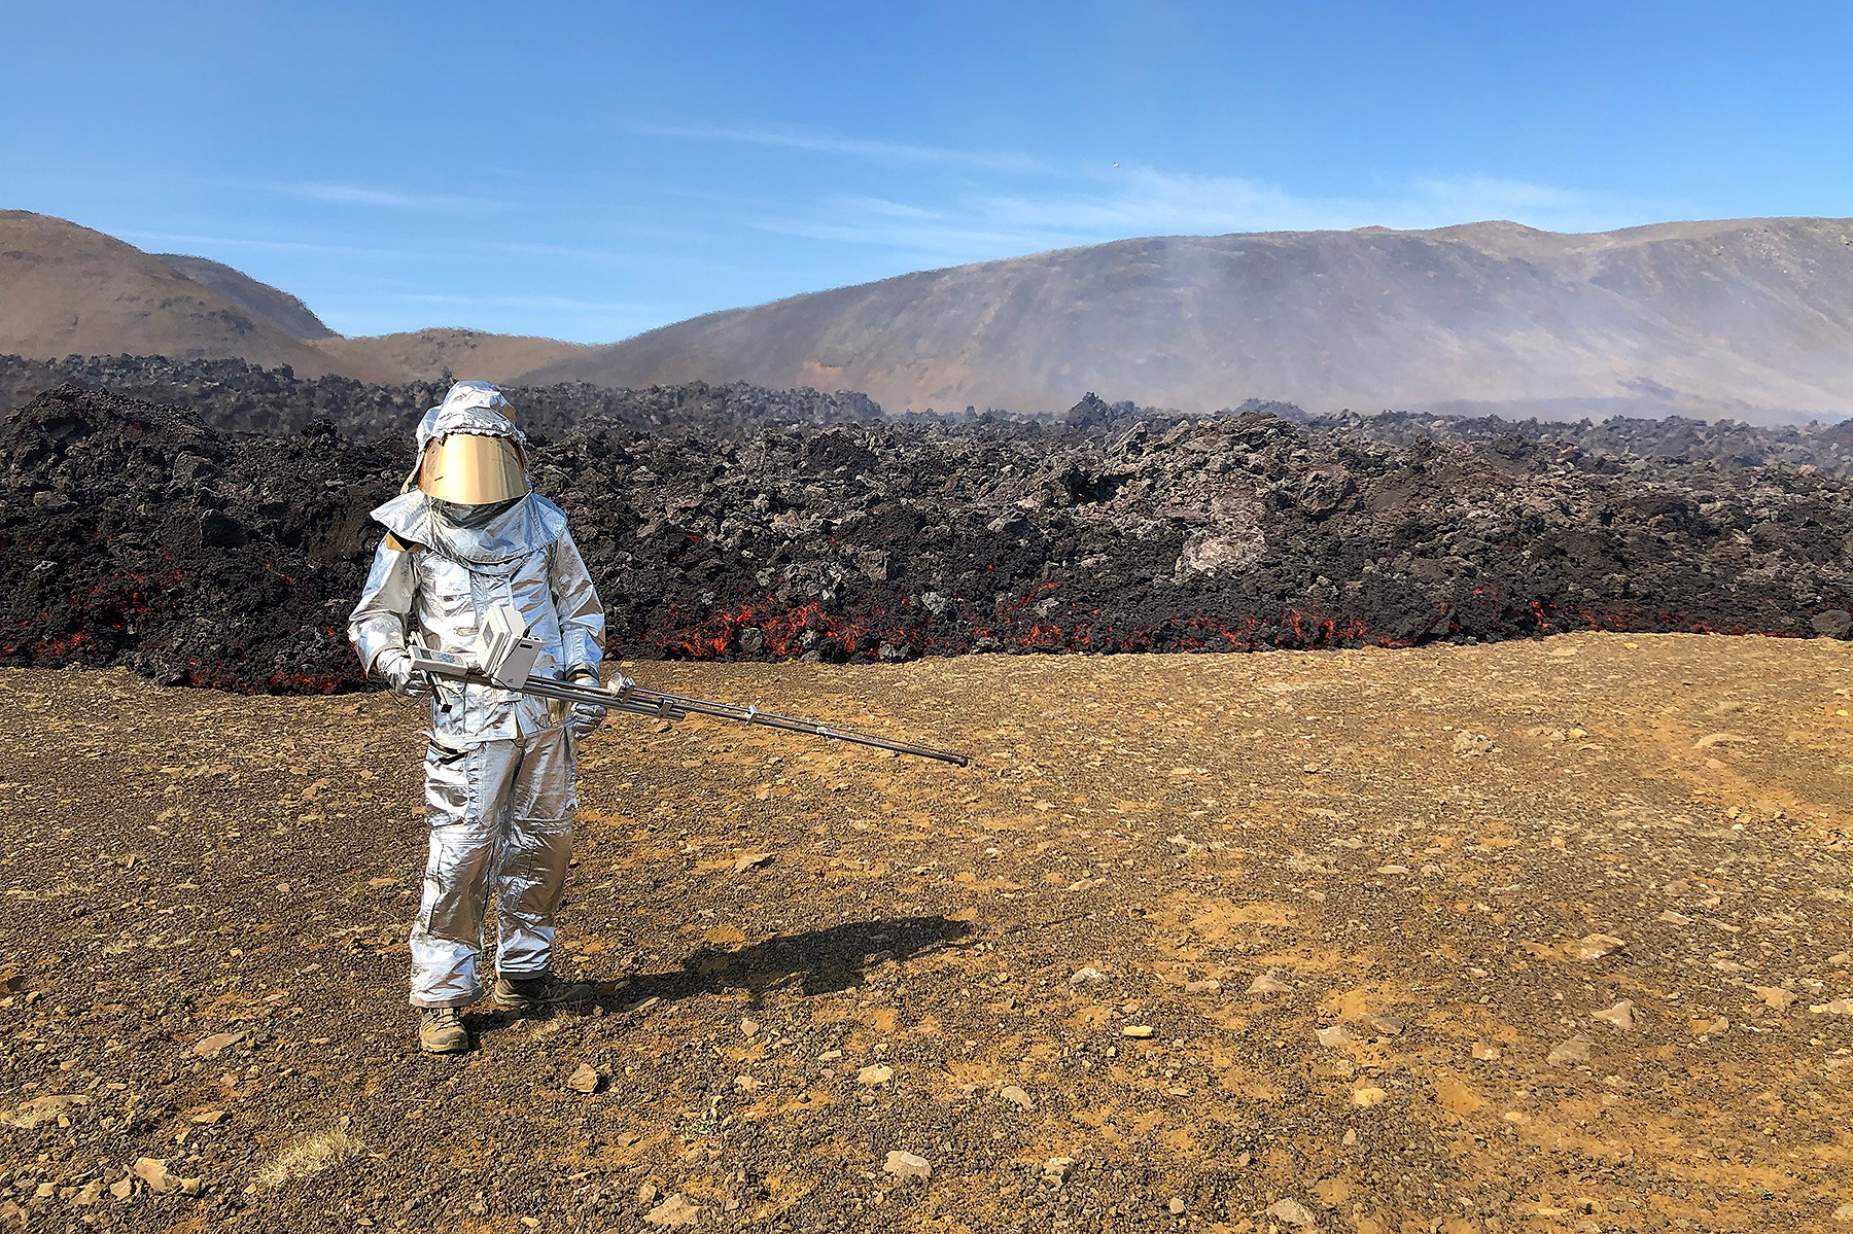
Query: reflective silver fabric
499	791
444	577
500	815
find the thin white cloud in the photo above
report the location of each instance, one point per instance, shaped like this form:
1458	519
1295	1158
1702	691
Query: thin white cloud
1143	201
246	242
501	300
336	193
875	151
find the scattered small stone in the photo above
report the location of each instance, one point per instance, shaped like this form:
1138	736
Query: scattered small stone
209	1047
1775	997
1593	947
1055	1169
1335	1036
673	1212
1568	1053
1292	1212
1267	983
1838	1006
908	1166
1621	1015
1176	1206
749	1028
584	1079
154	1174
1208	985
1139	1031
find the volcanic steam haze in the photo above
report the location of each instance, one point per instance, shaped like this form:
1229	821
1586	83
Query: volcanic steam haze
1751	319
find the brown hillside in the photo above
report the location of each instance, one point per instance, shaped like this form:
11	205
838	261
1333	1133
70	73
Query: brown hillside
1752	318
426	355
70	290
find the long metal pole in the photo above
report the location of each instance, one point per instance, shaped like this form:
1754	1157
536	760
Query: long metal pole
640	701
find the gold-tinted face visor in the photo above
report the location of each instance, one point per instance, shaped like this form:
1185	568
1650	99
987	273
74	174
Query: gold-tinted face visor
472	470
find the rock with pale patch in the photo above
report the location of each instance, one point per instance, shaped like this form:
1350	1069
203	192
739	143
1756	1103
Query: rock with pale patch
1592	947
1055	1169
1486	1053
1367	1096
1335	1036
1017	1097
1569	1053
209	1047
1775	997
874	1075
1292	1212
908	1166
1838	1006
154	1173
1621	1015
1268	984
673	1213
1137	1031
1086	976
37	1110
584	1078
746	861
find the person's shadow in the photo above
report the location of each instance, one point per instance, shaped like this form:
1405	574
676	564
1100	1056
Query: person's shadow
824	961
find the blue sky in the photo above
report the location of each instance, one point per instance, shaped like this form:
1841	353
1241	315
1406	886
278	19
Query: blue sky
591	171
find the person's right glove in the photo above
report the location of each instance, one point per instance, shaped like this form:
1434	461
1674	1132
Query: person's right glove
395	669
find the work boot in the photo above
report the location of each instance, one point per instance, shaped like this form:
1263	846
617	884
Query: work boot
441	1031
535	993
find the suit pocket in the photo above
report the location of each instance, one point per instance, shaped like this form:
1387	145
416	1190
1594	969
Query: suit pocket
450	784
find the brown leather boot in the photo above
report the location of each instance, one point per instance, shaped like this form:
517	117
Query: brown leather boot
441	1031
521	993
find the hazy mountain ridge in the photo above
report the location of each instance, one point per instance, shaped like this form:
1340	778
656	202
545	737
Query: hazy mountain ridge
1750	319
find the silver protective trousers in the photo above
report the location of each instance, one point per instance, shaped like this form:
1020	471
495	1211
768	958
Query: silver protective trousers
501	816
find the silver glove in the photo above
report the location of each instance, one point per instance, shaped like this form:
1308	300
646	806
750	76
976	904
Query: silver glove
586	717
395	669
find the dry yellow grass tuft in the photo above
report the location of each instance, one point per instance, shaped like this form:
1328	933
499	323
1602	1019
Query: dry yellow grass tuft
309	1154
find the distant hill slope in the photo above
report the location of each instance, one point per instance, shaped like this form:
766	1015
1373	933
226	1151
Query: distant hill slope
1748	318
261	300
1752	318
66	290
425	355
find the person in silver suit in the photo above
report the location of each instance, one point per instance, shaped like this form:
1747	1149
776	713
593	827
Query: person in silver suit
465	534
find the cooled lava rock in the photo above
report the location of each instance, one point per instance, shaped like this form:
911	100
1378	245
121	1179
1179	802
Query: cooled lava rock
796	524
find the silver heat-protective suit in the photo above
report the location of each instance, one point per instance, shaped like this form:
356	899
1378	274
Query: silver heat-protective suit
499	769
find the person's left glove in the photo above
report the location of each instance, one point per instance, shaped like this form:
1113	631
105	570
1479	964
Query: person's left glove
586	717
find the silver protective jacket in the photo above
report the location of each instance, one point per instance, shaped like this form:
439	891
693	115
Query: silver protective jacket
439	577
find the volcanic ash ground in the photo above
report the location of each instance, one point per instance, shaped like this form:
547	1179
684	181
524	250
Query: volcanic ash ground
1549	935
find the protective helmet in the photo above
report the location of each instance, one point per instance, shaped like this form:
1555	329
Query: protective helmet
469	451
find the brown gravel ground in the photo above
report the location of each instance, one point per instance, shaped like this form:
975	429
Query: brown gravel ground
206	898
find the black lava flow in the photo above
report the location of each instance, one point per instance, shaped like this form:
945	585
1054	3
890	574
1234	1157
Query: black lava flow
724	522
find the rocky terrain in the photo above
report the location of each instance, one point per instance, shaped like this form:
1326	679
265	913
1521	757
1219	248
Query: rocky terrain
1547	936
134	534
